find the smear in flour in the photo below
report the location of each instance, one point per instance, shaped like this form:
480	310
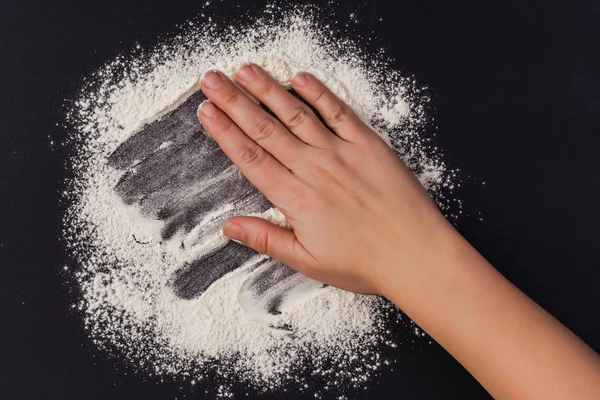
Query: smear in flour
160	284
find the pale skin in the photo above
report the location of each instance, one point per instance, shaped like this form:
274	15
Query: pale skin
363	223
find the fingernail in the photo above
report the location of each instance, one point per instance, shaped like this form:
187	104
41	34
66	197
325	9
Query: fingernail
233	231
208	109
300	79
211	80
247	72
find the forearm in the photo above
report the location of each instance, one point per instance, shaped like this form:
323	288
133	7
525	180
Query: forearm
505	340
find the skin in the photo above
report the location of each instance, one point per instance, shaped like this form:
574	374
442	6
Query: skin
363	223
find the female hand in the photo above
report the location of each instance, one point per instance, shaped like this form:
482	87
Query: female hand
363	223
356	211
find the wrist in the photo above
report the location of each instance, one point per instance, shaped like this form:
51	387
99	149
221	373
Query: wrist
410	275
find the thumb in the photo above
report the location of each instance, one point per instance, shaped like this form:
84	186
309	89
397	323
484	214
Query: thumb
267	238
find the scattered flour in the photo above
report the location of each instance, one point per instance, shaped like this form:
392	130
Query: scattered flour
123	270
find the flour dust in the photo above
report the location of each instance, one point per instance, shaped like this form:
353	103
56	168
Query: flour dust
159	284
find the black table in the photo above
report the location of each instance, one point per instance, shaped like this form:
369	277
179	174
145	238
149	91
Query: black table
516	90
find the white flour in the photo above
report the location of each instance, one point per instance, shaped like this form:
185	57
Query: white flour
123	267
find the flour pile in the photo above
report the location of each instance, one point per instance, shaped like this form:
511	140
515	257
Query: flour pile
127	249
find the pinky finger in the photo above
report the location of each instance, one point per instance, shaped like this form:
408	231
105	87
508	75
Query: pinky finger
334	111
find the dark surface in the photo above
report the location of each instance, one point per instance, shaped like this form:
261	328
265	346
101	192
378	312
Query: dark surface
516	88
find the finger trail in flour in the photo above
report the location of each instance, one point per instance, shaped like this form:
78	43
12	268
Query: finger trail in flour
191	280
177	174
271	284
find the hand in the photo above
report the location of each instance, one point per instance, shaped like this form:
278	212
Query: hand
363	223
356	211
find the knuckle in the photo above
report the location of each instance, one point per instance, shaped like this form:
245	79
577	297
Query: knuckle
334	162
249	154
319	173
338	115
376	146
294	201
224	125
373	147
328	170
265	89
298	116
261	243
319	95
263	130
231	97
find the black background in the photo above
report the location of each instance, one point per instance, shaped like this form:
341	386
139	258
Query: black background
515	88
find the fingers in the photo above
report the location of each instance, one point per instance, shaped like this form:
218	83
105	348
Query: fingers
267	238
294	114
255	122
264	171
336	114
